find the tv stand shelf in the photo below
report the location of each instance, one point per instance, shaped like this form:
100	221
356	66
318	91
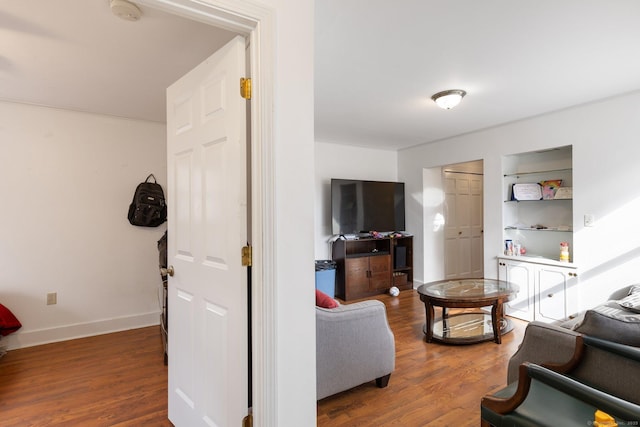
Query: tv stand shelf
360	254
367	267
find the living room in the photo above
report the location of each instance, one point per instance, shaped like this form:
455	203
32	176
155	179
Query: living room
607	253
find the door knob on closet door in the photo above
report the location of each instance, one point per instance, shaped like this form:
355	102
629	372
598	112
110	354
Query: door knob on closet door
167	271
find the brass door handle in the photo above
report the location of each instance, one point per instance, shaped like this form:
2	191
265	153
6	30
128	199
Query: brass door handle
167	271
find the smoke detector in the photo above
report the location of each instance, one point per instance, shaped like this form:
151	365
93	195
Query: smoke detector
125	10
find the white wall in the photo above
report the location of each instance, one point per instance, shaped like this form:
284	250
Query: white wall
346	162
295	375
429	266
66	181
604	136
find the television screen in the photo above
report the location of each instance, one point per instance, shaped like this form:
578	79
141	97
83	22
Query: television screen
363	206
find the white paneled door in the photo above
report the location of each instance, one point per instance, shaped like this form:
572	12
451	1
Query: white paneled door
463	231
207	198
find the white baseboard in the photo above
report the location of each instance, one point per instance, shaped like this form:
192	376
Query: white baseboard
79	330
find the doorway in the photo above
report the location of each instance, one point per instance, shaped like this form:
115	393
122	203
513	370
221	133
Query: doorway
257	25
459	216
463	220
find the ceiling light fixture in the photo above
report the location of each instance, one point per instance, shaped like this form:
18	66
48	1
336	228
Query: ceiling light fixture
447	99
125	10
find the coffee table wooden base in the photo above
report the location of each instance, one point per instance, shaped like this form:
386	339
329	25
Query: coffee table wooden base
467	328
472	296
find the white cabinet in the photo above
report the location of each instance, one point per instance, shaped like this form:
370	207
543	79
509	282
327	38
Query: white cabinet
554	292
548	292
520	273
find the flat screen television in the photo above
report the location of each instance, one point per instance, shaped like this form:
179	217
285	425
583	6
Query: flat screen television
364	206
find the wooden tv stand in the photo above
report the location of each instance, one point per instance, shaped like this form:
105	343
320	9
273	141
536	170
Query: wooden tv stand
369	266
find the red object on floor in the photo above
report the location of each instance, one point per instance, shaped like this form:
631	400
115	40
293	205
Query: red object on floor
8	322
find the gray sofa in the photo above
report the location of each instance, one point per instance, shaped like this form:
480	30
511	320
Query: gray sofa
554	343
354	345
597	350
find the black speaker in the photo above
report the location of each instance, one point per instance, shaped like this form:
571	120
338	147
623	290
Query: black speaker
400	257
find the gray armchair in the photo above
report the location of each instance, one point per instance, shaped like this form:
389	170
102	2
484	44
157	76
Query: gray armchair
354	345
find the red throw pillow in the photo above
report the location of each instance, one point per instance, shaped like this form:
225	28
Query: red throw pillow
8	322
325	301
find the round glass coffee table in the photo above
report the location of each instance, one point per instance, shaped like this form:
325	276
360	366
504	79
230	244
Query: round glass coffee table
467	327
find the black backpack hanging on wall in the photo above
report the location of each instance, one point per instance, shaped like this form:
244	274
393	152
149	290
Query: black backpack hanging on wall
148	208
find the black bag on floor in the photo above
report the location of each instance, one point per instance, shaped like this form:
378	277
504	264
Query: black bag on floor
148	208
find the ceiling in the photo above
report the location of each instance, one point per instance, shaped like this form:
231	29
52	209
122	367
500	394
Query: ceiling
76	54
377	62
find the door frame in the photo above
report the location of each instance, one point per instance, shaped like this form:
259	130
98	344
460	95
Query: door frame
257	23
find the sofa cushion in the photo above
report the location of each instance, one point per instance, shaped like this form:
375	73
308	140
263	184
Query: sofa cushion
325	301
632	301
610	322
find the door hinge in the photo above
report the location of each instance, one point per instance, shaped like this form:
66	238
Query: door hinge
246	256
245	88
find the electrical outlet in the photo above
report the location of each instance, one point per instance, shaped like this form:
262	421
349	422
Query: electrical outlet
52	298
589	220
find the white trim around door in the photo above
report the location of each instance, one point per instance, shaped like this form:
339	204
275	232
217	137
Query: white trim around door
256	22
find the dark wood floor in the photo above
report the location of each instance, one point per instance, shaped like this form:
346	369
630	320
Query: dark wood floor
108	380
432	385
120	380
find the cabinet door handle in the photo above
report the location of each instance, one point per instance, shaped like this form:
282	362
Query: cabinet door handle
550	295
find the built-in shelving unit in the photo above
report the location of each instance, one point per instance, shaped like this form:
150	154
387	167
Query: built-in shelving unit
539	225
547	285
